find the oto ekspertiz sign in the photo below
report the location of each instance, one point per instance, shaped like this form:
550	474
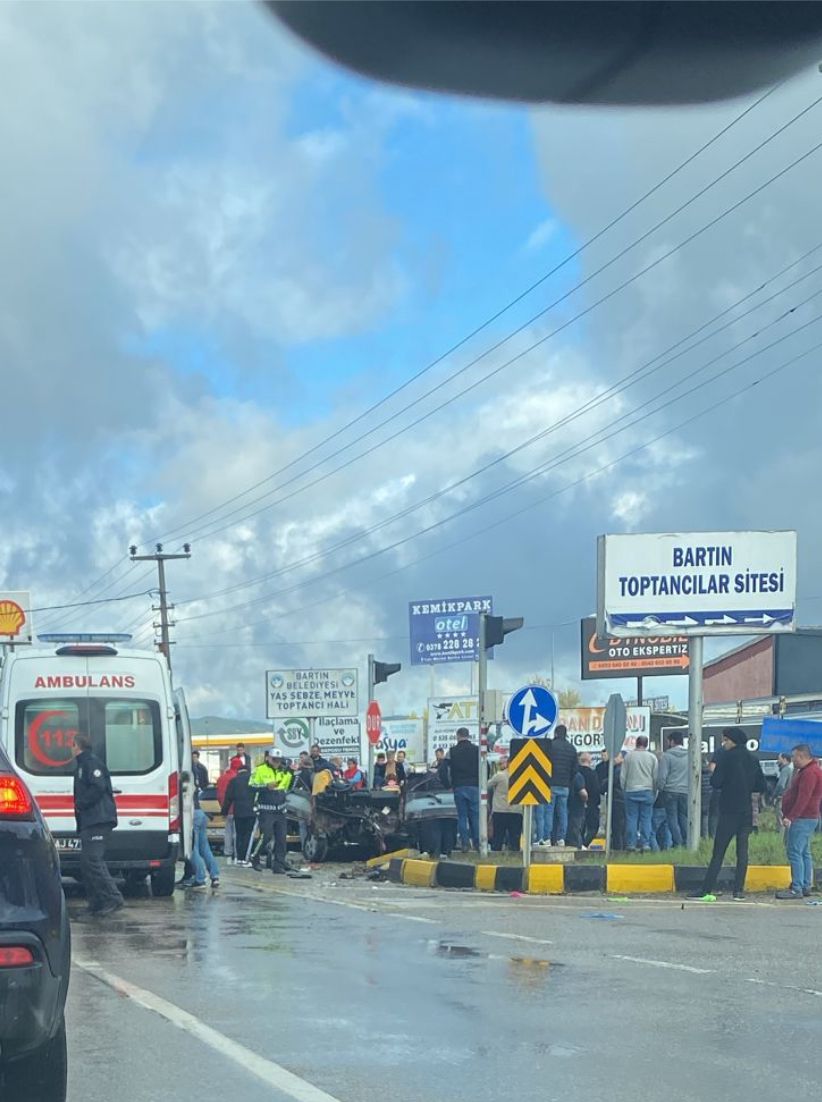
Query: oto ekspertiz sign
696	583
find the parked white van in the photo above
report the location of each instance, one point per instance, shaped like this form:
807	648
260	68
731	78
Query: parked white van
124	700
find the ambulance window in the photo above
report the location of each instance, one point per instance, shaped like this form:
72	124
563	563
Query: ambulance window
133	736
45	731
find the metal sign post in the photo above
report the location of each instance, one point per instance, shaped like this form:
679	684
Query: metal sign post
527	831
695	742
482	683
613	735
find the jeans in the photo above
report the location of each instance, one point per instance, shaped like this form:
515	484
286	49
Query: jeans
800	833
542	823
101	891
728	825
229	839
638	818
660	830
676	808
201	856
467	801
557	811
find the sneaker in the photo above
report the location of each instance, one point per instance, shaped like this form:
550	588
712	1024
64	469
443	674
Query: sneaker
182	884
229	860
739	896
806	892
703	897
789	893
560	842
279	871
198	887
215	881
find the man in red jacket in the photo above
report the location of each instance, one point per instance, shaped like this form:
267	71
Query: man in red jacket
229	836
801	807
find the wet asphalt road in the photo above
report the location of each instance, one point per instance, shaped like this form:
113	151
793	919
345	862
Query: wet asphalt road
369	992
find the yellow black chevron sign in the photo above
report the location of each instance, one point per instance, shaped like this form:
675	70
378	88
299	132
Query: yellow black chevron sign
529	771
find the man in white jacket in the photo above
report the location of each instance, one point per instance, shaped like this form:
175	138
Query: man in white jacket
638	778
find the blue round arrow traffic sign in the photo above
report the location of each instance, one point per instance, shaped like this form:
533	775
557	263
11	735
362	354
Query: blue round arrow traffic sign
532	711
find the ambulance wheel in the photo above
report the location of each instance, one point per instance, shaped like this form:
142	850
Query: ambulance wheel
315	847
135	883
162	883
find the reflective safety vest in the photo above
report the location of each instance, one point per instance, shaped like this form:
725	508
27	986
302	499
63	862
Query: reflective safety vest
269	799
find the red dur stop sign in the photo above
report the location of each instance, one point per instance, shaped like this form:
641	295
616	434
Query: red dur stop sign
373	722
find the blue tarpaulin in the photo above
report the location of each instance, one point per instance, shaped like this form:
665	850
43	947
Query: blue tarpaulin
781	735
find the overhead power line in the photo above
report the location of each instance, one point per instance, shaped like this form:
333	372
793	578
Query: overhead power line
570	453
630	379
205	534
530	506
187	526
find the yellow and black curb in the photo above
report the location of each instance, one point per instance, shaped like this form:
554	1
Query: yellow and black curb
618	879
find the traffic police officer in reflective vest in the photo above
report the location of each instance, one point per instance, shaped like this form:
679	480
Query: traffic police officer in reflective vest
271	781
96	815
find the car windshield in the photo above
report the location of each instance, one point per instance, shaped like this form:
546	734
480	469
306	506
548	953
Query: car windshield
126	734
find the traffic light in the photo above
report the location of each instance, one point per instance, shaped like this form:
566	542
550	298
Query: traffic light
384	670
497	627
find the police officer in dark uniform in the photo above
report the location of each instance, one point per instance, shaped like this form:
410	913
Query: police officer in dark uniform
96	815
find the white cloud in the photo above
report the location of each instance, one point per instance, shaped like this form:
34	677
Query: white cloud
541	235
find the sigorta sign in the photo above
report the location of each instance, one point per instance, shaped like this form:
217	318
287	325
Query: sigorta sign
630	656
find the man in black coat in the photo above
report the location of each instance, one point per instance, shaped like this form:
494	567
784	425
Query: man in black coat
592	787
96	814
737	776
241	797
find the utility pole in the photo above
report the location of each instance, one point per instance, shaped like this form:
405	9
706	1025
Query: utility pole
492	632
161	558
695	701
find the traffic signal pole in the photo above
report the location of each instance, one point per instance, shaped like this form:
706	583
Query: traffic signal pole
482	682
370	743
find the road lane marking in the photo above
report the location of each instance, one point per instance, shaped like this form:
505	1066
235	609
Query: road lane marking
517	937
375	907
786	986
665	964
270	1073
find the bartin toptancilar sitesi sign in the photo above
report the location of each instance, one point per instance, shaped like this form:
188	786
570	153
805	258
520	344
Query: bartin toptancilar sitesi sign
696	583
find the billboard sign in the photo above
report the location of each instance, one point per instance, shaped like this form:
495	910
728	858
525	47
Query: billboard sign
446	629
779	736
630	656
15	617
696	583
445	715
319	692
404	734
586	726
338	736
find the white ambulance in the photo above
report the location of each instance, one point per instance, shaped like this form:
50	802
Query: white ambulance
124	699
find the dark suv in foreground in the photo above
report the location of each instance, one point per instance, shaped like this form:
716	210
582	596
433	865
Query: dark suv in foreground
35	951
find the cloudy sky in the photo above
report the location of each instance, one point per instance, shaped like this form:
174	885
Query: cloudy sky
250	300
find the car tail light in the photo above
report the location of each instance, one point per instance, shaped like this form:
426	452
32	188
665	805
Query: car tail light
15	801
15	956
174	801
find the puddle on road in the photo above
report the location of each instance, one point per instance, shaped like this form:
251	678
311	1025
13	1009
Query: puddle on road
523	971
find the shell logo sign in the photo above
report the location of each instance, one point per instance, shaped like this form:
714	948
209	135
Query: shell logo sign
15	617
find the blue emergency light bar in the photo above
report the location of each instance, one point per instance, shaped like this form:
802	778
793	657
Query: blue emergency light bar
84	637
